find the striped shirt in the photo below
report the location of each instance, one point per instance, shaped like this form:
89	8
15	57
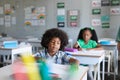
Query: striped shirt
59	58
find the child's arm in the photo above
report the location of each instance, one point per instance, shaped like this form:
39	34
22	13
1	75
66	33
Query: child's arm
74	61
98	47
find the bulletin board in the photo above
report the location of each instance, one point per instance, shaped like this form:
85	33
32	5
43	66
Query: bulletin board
102	10
100	13
34	15
7	13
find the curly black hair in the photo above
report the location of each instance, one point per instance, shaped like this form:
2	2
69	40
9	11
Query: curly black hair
93	32
54	32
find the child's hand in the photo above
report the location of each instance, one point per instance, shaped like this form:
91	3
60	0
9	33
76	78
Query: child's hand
74	61
118	46
79	49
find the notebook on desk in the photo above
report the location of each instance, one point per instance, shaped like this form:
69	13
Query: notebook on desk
10	44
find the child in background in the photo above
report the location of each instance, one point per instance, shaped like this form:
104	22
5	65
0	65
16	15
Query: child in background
118	40
86	42
54	41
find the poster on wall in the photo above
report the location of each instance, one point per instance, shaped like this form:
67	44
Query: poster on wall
61	24
35	16
105	18
96	3
96	11
115	2
106	25
1	21
73	24
1	10
115	11
60	14
96	22
73	18
60	5
60	18
105	2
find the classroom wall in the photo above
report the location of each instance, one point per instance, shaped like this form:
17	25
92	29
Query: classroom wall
84	6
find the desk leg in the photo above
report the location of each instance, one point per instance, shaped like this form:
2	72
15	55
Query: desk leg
12	58
99	71
103	69
116	61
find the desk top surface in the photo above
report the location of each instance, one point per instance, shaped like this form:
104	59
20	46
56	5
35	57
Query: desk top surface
90	53
6	72
91	57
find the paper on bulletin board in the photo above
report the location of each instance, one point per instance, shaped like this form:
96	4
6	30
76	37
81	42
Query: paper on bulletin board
105	2
61	12
96	11
115	2
41	22
96	22
60	5
96	3
73	24
33	16
106	25
105	18
7	24
73	12
34	22
7	6
1	10
13	20
27	10
1	21
28	16
7	18
73	18
61	24
115	11
60	18
28	22
40	10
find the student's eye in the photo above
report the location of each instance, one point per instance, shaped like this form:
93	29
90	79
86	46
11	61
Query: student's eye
52	42
58	42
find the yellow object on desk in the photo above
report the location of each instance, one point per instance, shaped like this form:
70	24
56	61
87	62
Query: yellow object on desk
29	63
57	68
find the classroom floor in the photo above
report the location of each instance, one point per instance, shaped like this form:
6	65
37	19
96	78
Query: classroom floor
111	77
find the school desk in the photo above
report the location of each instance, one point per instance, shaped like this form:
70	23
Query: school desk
15	51
91	57
61	70
113	46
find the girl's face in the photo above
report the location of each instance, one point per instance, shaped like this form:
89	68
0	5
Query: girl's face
87	35
54	45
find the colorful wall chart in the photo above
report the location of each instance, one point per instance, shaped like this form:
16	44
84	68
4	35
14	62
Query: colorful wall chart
61	14
35	16
73	18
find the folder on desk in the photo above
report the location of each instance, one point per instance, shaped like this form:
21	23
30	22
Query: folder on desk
10	44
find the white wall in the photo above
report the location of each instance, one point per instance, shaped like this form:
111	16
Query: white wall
20	31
